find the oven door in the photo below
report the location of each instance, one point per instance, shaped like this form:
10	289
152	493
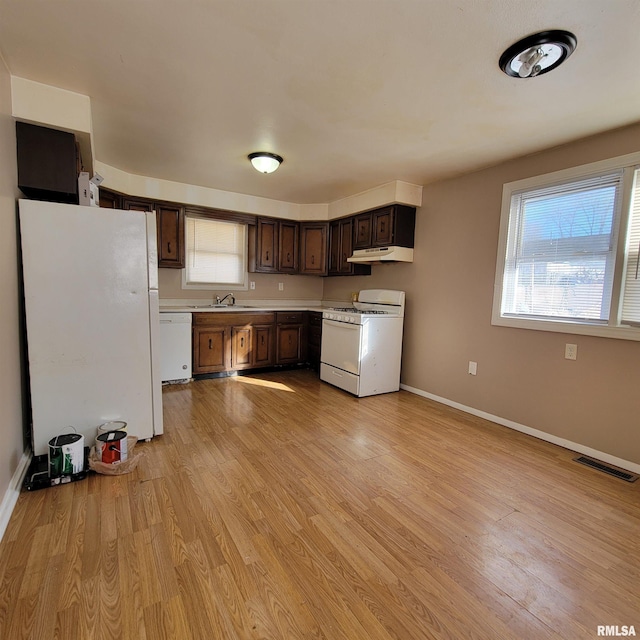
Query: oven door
341	345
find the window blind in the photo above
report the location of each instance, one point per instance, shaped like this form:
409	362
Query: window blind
631	283
561	248
215	252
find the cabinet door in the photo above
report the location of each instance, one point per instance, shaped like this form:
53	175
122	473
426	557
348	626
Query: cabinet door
288	247
212	349
340	247
267	246
334	248
313	248
137	205
314	338
47	163
289	344
170	229
109	200
382	222
362	239
346	246
263	345
241	347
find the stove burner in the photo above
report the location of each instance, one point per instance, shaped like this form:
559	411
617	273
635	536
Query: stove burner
361	312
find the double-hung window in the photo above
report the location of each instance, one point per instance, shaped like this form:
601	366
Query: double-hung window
216	254
569	250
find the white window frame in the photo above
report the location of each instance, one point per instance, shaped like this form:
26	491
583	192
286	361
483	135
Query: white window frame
614	328
218	286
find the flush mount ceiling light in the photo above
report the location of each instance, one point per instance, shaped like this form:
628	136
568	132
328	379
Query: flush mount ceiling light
537	54
265	162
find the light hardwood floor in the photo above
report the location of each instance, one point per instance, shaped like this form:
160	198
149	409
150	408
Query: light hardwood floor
276	506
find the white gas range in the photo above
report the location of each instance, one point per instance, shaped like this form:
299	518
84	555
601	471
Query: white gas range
362	345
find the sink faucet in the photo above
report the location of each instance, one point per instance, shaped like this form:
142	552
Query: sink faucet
221	300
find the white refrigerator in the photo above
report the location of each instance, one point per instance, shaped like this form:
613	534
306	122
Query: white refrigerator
92	320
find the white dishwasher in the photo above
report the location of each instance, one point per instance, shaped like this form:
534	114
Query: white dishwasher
175	346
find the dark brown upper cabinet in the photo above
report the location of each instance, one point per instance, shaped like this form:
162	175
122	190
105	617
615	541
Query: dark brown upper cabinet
266	246
341	248
169	230
393	226
362	232
385	227
130	204
314	256
109	199
275	246
288	250
48	163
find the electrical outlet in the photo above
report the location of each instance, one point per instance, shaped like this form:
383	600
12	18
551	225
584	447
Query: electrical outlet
280	286
252	285
473	368
571	351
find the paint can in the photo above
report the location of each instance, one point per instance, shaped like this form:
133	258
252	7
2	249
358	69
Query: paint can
114	425
66	455
112	446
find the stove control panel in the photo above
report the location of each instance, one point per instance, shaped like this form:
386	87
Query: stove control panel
340	317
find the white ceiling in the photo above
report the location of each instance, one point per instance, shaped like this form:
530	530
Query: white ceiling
352	93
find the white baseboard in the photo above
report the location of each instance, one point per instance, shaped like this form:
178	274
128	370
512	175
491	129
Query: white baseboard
13	491
542	435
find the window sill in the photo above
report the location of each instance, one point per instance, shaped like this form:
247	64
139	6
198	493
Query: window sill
576	328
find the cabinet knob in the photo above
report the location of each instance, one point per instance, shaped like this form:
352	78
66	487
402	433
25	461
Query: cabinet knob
266	256
313	259
288	257
209	343
168	247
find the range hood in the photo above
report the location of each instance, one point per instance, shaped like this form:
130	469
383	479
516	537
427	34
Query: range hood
382	254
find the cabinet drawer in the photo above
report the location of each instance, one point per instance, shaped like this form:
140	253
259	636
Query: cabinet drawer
229	318
289	317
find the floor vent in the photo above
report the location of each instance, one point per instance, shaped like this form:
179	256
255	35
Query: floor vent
605	468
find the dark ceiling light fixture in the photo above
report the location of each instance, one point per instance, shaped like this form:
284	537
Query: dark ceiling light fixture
537	54
265	162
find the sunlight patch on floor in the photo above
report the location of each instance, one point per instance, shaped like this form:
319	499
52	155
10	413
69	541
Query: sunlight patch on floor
263	383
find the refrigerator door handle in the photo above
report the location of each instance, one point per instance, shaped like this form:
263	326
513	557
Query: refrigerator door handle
152	249
156	374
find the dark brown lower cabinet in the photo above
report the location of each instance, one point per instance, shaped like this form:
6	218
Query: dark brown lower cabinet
290	331
211	348
241	347
263	335
229	341
314	338
289	344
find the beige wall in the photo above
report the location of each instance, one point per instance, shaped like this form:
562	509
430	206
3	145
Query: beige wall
295	288
522	374
11	447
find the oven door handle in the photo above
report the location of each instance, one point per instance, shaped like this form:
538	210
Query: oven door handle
342	325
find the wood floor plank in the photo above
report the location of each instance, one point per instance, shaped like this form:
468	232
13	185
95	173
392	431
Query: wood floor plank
131	578
277	507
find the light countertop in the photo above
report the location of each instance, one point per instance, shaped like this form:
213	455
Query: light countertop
238	308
